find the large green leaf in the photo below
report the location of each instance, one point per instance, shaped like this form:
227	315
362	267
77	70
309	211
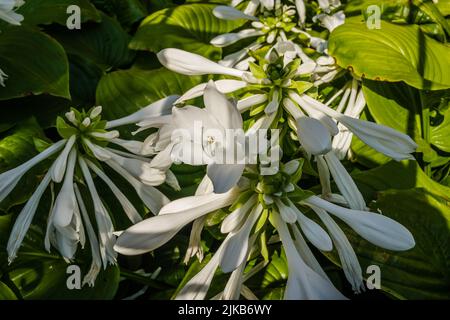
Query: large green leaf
398	175
392	53
105	43
440	134
34	63
16	147
187	27
46	12
6	293
399	106
127	11
394	105
124	92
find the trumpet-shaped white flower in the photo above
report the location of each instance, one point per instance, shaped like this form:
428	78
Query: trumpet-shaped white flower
212	148
7	11
381	138
68	222
375	228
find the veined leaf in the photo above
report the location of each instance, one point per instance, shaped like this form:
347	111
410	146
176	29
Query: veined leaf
124	92
34	62
187	27
393	53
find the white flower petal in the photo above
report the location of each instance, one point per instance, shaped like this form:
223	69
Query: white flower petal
248	102
347	256
313	232
193	64
220	108
224	86
60	164
227	39
375	228
224	176
345	183
197	287
152	233
156	109
65	202
127	206
104	223
9	179
236	248
152	197
326	120
234	219
230	13
130	145
23	221
303	283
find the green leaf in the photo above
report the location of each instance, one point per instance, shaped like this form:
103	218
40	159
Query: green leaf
38	12
104	43
393	53
440	134
398	106
84	78
127	11
398	175
124	92
187	27
6	293
16	148
35	64
395	105
430	9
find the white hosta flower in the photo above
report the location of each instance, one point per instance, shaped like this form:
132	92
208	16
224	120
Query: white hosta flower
68	222
7	11
230	13
353	102
197	287
213	147
96	264
9	179
227	39
152	233
381	138
331	22
345	183
328	5
239	226
375	228
23	221
192	64
312	134
347	256
303	282
157	109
